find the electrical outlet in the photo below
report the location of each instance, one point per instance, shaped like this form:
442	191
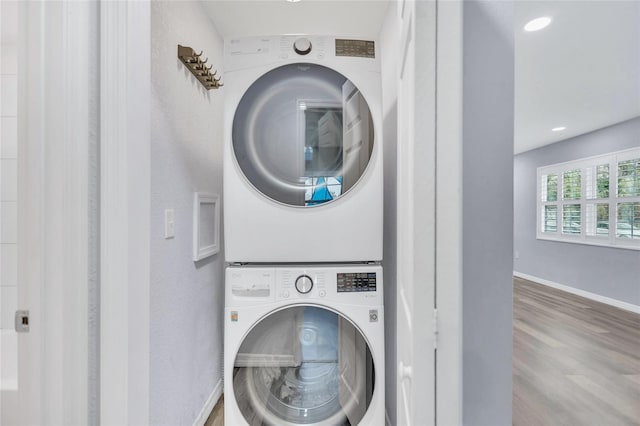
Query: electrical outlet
516	254
169	224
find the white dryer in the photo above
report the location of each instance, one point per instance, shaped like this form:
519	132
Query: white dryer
303	150
304	346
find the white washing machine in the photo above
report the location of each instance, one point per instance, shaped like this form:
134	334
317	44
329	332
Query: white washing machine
304	346
303	150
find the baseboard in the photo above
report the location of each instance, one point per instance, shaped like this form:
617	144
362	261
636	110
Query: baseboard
586	294
208	406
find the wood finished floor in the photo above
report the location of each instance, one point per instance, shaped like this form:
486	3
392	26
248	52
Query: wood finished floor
216	418
575	361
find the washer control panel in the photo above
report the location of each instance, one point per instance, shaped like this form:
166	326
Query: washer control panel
350	284
356	281
344	283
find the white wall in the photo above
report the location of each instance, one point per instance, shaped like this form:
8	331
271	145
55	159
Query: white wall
389	42
187	298
605	271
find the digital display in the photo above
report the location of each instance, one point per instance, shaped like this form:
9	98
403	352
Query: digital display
356	282
356	48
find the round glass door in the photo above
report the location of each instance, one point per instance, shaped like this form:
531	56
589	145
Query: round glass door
303	135
303	365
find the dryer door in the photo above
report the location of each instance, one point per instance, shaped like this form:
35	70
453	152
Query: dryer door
303	135
315	368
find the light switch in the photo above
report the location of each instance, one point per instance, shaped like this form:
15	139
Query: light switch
169	224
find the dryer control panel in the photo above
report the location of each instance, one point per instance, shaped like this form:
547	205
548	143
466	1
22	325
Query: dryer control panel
251	51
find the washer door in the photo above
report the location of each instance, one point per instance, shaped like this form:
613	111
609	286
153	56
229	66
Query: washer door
303	135
304	365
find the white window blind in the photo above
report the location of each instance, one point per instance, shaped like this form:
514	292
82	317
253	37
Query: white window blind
593	200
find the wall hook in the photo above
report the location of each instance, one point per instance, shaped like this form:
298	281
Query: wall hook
192	61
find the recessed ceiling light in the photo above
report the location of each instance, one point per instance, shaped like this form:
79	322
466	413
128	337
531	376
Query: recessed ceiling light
293	1
558	129
537	24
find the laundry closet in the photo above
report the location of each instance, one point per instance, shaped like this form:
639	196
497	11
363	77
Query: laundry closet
297	120
333	168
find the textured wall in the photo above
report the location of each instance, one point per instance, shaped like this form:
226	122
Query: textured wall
187	298
390	40
487	229
610	272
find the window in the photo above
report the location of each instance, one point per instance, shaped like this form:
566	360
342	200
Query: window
591	201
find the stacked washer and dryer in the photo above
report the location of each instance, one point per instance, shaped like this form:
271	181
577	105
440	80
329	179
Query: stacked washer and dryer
303	185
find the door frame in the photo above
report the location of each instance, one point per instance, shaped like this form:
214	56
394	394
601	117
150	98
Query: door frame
429	246
55	139
125	100
416	218
448	246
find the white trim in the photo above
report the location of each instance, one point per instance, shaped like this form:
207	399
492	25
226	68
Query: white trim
216	393
449	68
125	95
416	215
200	251
73	222
586	294
114	335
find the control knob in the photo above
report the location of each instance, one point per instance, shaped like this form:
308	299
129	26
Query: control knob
302	46
304	284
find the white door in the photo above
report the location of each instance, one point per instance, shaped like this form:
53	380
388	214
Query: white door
18	231
416	215
46	143
8	213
